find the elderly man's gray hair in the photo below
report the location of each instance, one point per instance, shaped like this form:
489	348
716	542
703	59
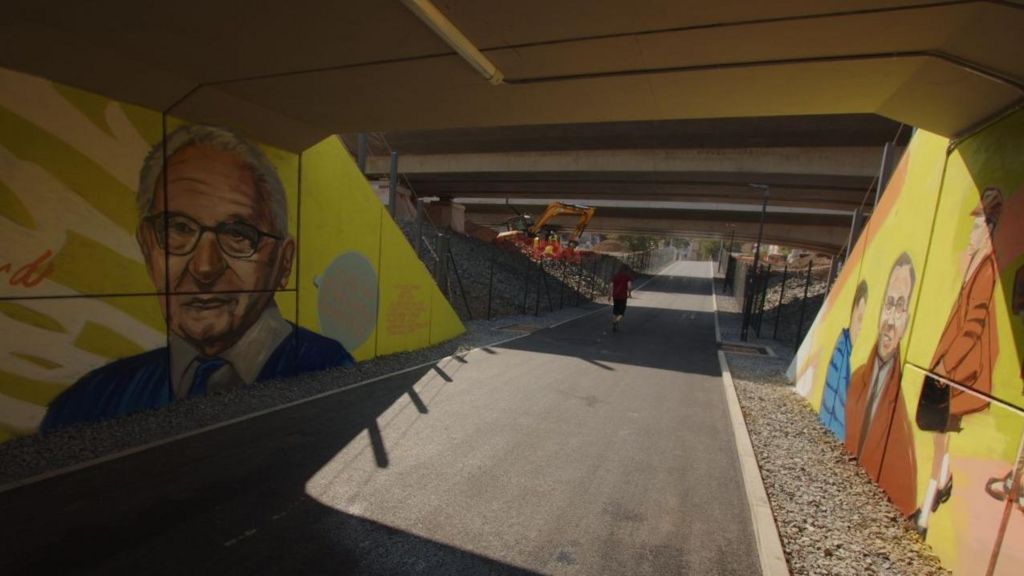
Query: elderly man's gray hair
263	172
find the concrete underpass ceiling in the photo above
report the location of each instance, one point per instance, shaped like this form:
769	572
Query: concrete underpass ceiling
660	101
296	73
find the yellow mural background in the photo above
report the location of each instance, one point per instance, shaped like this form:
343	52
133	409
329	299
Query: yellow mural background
69	168
69	164
340	213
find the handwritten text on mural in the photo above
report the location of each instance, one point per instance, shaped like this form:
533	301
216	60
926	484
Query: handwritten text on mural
405	311
29	274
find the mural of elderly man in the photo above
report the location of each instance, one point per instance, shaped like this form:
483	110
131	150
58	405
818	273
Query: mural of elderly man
878	429
216	246
832	413
965	353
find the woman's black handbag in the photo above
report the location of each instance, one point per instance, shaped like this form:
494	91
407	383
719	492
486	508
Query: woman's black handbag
933	407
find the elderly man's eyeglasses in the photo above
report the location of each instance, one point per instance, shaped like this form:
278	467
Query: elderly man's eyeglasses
895	307
179	235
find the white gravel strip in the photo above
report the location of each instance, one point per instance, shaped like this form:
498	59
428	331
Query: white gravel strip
30	458
832	518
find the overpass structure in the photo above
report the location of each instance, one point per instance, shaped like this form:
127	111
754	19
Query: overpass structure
655	101
801	228
680	178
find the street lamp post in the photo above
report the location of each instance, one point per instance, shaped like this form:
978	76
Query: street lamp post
728	253
751	278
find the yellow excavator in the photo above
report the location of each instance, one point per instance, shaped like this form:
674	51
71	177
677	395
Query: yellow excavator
542	240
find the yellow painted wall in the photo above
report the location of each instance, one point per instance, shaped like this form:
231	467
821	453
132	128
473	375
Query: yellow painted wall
926	211
68	172
404	321
75	295
341	217
339	214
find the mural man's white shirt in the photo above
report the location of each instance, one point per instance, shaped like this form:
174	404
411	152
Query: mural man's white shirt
244	360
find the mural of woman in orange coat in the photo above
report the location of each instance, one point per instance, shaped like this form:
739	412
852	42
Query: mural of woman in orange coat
968	347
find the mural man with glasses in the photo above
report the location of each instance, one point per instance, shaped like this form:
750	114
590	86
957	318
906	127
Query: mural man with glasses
878	429
216	245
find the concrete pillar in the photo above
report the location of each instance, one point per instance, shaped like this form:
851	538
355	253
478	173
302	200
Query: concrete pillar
419	226
441	247
393	185
448	214
886	169
856	225
362	152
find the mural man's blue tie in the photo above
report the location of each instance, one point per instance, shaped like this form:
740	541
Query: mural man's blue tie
205	369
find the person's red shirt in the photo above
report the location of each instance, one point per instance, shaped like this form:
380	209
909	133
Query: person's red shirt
620	285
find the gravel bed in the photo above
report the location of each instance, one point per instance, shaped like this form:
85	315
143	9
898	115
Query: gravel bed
831	517
29	456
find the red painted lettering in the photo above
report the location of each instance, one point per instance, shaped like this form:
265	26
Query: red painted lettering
29	275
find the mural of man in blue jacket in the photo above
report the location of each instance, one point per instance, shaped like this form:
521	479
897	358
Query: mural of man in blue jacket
833	401
213	230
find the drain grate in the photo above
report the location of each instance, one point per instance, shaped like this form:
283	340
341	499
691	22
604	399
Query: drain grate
749	349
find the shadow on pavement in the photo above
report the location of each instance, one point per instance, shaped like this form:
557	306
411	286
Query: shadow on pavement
236	500
665	338
232	502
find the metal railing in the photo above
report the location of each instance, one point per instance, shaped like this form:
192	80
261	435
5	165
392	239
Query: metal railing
780	302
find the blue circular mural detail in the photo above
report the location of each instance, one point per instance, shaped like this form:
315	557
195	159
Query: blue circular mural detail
347	300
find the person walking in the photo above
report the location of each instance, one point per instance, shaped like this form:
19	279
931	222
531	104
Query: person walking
622	290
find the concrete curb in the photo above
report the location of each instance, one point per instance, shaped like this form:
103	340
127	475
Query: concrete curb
766	532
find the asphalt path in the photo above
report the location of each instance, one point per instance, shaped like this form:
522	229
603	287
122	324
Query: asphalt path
573	450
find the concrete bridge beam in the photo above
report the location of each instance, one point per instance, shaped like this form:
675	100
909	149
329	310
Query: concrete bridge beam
834	161
825	232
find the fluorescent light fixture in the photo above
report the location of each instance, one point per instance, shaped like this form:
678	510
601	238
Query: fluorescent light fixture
444	28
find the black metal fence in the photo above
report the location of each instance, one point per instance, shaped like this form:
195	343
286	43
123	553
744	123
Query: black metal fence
778	301
512	283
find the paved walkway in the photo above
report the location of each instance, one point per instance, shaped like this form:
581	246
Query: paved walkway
571	451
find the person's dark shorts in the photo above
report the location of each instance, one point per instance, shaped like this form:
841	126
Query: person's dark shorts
619	306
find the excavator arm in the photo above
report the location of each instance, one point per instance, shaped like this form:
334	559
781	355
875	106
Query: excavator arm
554	209
520	231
